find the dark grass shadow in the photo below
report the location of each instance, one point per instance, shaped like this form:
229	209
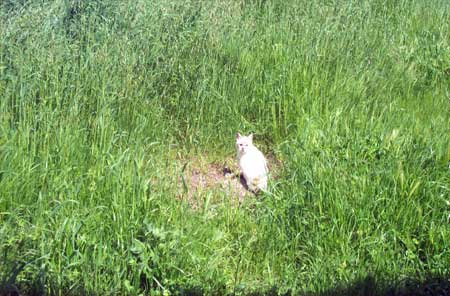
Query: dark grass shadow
369	286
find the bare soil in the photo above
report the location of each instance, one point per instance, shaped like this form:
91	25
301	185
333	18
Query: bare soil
198	176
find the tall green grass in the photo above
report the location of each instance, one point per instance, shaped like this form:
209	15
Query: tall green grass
100	98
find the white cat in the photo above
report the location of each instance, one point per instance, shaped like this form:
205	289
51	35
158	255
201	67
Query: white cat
252	163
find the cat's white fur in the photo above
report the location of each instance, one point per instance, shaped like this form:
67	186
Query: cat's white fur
252	163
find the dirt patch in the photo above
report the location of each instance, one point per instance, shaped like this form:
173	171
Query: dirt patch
199	177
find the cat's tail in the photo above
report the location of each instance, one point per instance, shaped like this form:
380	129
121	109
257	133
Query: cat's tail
259	184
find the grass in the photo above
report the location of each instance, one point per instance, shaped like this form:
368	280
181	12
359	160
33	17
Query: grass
100	100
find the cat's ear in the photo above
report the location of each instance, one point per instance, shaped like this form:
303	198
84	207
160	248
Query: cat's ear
250	137
238	136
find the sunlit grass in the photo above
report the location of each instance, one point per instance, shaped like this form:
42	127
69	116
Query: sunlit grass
101	99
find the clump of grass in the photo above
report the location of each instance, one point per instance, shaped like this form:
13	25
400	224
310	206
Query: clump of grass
100	98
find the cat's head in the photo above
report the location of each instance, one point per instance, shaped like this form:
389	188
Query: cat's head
244	143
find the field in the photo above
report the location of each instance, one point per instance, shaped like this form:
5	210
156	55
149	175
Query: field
117	119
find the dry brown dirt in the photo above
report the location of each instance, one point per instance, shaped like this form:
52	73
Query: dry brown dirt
199	176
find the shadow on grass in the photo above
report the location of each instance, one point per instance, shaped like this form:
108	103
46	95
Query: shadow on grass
431	285
369	286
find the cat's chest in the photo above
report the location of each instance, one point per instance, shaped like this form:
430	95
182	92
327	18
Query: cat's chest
251	159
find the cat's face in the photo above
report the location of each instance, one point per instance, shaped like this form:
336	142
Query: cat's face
243	144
